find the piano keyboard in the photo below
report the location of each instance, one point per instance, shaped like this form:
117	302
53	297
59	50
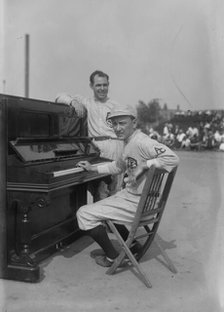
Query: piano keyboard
72	170
67	171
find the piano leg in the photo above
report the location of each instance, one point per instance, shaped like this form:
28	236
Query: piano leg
22	266
23	235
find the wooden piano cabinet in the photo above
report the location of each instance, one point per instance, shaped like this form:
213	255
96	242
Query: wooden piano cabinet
38	225
3	166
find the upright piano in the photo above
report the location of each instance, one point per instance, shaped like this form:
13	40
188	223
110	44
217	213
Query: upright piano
41	186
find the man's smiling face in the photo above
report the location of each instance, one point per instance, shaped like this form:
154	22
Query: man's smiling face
100	88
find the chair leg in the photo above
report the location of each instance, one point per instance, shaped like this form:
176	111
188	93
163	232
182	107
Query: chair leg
164	254
120	258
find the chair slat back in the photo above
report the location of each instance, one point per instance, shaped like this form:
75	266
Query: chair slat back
155	193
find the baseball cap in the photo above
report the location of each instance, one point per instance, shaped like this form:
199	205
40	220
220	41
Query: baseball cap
122	111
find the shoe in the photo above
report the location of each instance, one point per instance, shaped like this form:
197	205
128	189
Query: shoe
136	248
96	253
104	261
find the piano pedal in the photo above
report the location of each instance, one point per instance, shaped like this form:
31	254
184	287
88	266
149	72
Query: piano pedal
59	246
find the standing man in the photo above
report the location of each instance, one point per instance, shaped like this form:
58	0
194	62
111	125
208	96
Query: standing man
140	153
99	127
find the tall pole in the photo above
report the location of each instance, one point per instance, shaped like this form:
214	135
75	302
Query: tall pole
4	83
3	149
27	39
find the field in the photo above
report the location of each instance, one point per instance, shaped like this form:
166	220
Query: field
192	232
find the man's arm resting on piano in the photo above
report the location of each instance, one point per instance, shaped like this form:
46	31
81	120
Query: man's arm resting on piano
67	99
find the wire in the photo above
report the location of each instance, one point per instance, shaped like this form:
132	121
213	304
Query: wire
171	72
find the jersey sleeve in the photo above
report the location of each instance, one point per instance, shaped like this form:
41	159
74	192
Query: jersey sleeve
158	154
110	168
81	100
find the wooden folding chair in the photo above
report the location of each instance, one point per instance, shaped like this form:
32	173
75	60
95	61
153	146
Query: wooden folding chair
148	216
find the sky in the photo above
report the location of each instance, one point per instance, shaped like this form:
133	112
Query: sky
166	49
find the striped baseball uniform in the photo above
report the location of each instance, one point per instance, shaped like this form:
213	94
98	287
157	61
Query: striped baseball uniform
98	125
122	206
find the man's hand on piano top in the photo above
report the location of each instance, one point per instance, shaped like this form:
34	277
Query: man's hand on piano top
79	108
86	166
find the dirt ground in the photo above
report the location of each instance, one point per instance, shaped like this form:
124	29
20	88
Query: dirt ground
192	233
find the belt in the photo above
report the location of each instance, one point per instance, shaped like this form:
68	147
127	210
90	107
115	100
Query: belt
104	138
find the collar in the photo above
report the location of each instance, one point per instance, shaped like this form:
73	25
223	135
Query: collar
132	136
100	102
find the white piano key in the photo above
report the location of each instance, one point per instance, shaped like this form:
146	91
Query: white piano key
73	170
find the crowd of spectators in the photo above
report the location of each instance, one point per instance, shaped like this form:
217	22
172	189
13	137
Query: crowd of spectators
195	131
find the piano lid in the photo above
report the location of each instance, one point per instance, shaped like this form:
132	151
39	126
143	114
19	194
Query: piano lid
31	150
34	118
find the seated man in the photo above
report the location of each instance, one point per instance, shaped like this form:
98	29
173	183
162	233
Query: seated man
140	153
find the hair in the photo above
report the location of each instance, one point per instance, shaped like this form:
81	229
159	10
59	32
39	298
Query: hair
99	73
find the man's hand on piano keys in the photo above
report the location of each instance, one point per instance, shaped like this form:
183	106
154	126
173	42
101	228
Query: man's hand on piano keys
86	165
